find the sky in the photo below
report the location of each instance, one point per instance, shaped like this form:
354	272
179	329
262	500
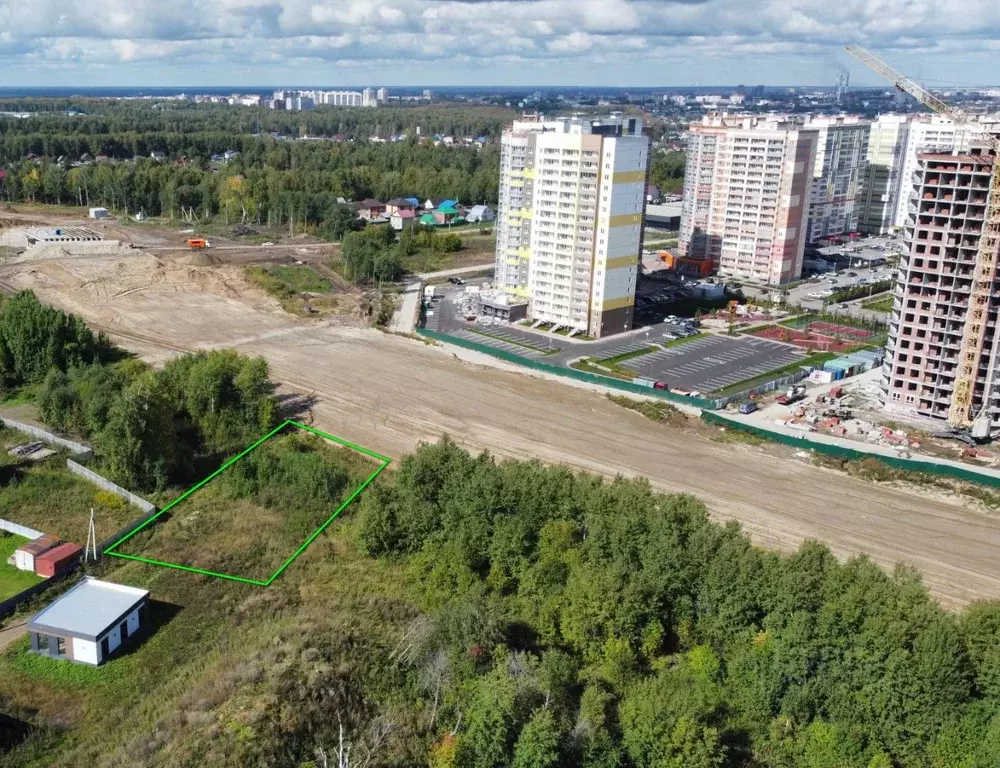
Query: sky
492	42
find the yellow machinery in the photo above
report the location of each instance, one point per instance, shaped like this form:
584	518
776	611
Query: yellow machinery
962	414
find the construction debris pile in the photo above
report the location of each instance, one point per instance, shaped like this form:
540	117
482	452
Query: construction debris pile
835	414
470	303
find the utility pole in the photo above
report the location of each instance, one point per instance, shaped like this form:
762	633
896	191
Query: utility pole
91	551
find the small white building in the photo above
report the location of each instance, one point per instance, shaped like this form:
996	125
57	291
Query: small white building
99	213
89	623
480	213
400	219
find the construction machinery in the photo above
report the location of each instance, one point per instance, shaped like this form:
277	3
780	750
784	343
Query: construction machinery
963	413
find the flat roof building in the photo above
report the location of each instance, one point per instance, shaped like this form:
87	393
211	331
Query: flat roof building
746	193
90	622
569	220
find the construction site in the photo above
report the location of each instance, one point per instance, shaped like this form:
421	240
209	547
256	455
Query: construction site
390	393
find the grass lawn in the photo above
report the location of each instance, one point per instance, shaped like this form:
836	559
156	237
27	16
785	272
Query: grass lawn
628	355
46	496
12	580
228	674
882	304
245	522
589	365
684	339
300	279
287	284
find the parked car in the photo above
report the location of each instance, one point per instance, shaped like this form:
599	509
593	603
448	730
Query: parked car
456	281
747	407
852	274
660	385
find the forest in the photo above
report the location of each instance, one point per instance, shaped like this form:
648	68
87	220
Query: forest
548	618
585	623
667	172
273	179
148	427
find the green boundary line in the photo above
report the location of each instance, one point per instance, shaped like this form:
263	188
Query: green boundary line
312	537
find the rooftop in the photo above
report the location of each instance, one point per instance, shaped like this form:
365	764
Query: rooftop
89	608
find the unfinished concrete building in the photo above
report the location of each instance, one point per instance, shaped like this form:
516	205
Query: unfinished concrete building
946	209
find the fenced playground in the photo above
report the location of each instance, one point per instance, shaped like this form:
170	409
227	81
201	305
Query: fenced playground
819	335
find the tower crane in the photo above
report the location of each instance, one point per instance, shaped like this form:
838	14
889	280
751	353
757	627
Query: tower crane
963	414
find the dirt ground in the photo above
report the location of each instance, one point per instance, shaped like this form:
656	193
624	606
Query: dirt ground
390	393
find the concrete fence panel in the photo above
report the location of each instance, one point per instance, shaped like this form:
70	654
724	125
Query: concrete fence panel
20	530
120	533
96	479
82	451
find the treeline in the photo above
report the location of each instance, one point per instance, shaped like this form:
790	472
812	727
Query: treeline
667	171
582	623
377	255
35	338
270	181
110	117
148	427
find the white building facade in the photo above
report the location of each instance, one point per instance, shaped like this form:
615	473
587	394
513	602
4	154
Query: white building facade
931	133
883	180
838	171
569	220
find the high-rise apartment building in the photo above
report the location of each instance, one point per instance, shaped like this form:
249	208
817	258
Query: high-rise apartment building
883	181
746	195
932	133
382	95
368	98
841	160
569	219
945	211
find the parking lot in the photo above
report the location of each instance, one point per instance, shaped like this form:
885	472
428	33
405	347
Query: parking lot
517	342
711	363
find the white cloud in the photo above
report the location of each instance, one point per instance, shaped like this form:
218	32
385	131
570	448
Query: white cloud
526	41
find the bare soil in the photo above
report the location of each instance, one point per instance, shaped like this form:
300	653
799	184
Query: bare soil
390	393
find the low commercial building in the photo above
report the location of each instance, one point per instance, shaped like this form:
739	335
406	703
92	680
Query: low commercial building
686	265
99	213
666	216
90	623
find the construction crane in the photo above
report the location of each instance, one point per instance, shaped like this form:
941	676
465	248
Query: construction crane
963	414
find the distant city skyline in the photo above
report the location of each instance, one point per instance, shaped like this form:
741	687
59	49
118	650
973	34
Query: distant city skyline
406	43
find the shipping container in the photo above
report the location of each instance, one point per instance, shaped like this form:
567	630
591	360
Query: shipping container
57	559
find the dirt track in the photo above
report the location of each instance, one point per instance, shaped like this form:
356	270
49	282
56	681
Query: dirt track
389	393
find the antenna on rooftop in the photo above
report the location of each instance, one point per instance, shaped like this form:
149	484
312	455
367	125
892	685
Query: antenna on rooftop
91	550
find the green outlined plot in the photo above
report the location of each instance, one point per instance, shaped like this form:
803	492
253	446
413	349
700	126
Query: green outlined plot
383	462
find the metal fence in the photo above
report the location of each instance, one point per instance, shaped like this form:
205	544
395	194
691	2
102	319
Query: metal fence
131	498
81	451
20	530
852	454
10	605
570	373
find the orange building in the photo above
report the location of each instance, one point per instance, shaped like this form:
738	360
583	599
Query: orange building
687	265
